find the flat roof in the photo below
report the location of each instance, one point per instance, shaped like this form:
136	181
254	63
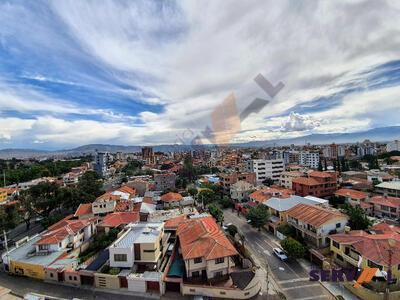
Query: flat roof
139	233
288	203
25	253
392	185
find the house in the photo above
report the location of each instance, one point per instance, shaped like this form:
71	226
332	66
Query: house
385	206
315	223
358	248
279	207
171	199
320	184
66	234
287	177
206	251
352	196
108	202
241	190
165	181
389	188
265	194
84	211
379	176
3	195
141	245
118	220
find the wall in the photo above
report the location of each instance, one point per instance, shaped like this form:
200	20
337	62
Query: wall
121	264
72	278
367	294
29	270
106	281
219	292
150	256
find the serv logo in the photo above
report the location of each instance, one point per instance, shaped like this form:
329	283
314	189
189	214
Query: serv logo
348	274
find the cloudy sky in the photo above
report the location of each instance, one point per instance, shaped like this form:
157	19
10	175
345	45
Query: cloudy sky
153	72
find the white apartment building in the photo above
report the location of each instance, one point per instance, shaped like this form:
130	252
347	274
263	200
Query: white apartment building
309	159
266	168
393	146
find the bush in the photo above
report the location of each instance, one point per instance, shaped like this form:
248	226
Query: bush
293	248
232	230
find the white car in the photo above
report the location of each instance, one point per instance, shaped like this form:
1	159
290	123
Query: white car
280	253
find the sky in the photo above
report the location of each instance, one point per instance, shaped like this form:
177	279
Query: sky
153	72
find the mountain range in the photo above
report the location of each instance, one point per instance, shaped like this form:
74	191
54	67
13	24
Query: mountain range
382	134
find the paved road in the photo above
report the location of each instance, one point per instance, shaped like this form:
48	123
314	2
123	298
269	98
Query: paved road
291	278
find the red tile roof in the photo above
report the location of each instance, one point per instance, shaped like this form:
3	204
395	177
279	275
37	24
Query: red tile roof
171	196
353	194
269	192
84	209
374	247
314	215
321	174
204	238
119	218
174	222
387	201
306	181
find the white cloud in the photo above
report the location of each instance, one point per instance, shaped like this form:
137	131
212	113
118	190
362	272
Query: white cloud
297	122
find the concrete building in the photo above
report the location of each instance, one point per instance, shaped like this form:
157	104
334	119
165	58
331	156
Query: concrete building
287	177
227	179
393	146
165	181
140	244
101	163
241	190
391	188
266	168
309	159
320	184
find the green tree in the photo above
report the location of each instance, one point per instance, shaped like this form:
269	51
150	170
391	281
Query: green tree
358	220
90	186
320	168
293	248
258	216
225	202
286	230
206	196
216	212
268	182
232	230
192	192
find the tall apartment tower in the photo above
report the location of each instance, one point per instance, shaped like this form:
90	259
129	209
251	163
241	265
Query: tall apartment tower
148	155
100	163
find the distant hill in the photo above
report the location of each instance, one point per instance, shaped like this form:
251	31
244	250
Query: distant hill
382	134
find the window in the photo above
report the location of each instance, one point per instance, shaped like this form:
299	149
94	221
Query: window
374	265
70	277
51	275
198	260
219	260
336	244
339	257
120	257
150	251
338	225
44	247
196	274
218	274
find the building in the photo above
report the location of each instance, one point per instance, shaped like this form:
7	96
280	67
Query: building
266	168
3	194
118	220
279	207
362	249
206	251
227	179
331	151
391	188
315	223
262	195
385	206
241	190
393	146
352	196
141	186
378	176
320	184
117	200
171	199
148	155
287	177
165	182
101	163
141	244
309	159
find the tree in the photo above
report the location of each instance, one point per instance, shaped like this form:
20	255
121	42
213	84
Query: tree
293	248
258	216
358	220
325	165
286	230
206	196
268	181
225	202
90	186
320	165
232	230
192	192
216	212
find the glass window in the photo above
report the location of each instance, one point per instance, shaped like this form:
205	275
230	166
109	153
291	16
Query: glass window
198	260
219	260
120	257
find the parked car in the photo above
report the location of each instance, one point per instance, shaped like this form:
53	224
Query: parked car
280	254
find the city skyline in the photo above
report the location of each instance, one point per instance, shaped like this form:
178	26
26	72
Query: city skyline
143	73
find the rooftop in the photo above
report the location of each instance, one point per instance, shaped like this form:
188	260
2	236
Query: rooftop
353	194
117	219
287	203
392	185
314	215
139	233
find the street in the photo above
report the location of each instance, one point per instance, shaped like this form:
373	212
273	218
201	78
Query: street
292	279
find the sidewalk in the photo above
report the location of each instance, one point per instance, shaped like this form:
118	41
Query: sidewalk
334	288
